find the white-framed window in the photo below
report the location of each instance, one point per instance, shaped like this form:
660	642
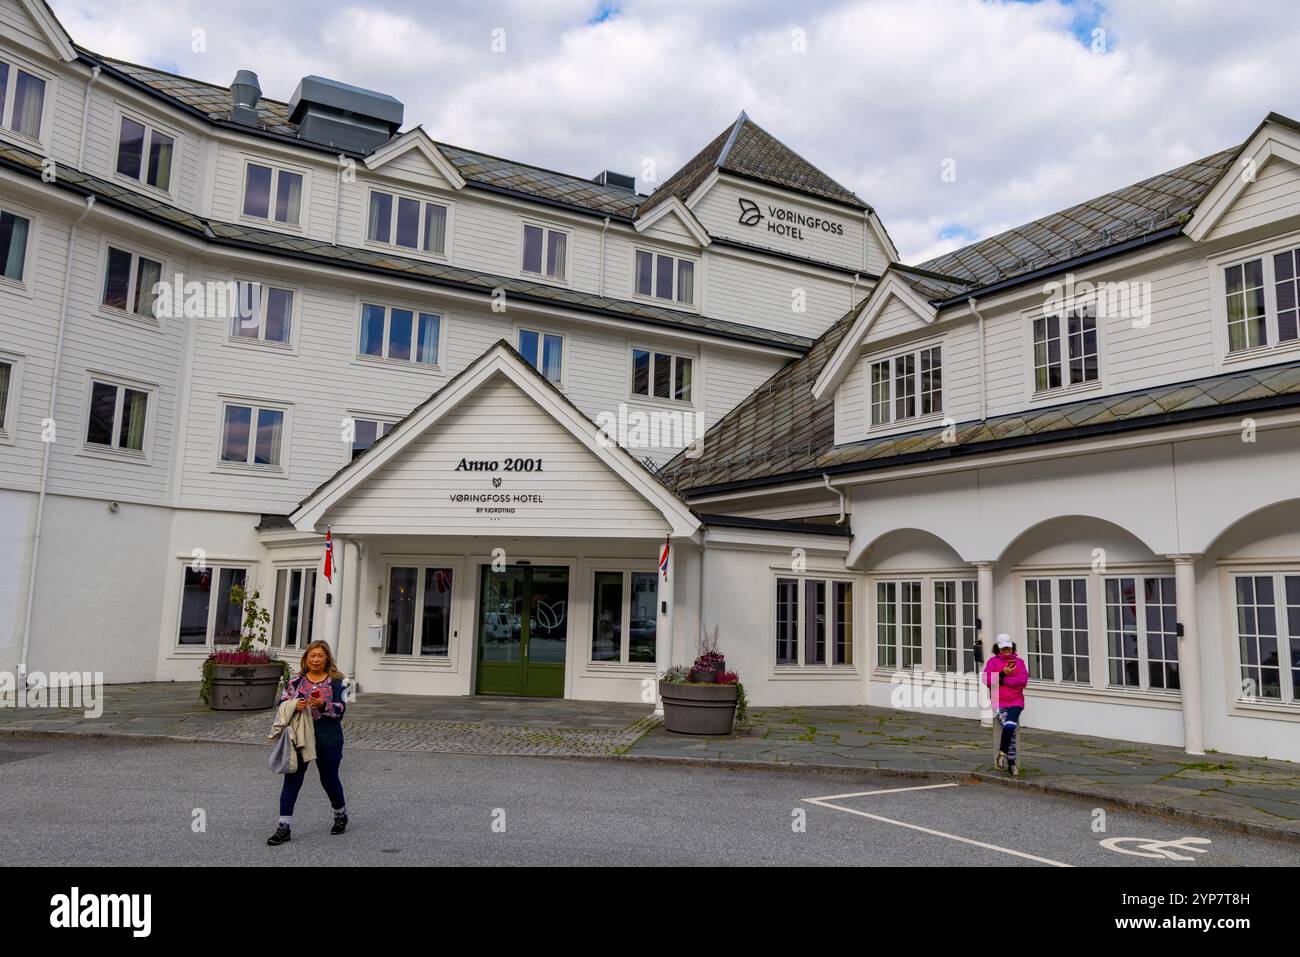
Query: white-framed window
263	313
624	616
546	252
406	222
10	373
293	613
420	610
906	386
366	432
660	276
1141	632
1065	350
661	375
1261	301
208	617
814	622
399	334
130	282
14	230
22	100
145	153
273	194
1057	629
926	618
117	416
544	351
1267	607
251	434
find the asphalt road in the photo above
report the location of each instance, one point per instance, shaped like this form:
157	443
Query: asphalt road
93	803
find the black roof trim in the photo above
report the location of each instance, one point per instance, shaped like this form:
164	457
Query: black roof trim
274	523
1180	417
775	525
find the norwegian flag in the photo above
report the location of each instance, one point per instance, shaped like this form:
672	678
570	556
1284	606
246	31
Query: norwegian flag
329	557
663	560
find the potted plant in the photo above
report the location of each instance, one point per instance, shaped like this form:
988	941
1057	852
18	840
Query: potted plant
702	699
246	677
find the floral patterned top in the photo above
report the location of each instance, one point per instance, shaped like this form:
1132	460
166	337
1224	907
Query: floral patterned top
333	706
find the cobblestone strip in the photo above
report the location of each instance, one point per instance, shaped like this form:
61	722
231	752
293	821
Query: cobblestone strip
453	737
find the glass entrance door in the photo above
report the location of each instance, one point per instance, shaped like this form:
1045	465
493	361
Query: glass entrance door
523	631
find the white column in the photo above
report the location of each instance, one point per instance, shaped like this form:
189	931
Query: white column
664	620
984	611
334	598
1189	653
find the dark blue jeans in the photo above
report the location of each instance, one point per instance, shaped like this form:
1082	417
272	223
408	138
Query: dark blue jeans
1009	718
328	759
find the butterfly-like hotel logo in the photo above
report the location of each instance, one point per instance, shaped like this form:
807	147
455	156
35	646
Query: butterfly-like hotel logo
750	214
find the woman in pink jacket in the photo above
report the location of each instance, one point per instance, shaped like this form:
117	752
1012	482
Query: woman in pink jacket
1008	690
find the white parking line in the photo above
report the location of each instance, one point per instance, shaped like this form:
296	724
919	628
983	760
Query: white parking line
825	802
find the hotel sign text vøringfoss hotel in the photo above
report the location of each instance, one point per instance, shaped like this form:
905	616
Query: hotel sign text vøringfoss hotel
785	221
497	503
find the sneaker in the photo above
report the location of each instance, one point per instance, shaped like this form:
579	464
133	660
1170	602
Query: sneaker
281	836
340	823
1015	770
1001	761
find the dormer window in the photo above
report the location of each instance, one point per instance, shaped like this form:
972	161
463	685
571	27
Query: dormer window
906	386
665	277
272	194
22	101
545	251
409	223
1065	350
145	154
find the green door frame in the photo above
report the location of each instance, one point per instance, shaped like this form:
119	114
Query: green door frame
521	677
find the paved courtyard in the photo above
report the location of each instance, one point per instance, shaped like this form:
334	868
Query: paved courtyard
1247	793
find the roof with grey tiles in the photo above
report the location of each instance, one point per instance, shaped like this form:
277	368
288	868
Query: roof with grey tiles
746	455
481	169
391	264
746	149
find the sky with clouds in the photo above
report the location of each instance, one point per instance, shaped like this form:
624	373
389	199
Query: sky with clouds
1033	105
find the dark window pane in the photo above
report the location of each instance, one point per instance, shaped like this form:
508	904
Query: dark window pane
117	278
147	276
427	345
663	375
640	372
555	245
279	314
532	249
270	425
685	281
13	246
29	103
226	628
103	403
372	330
364	433
435	228
664	277
408	223
196	592
528	346
644	267
552	357
643	620
257	191
380	226
131	430
238	425
607	617
401	611
159	172
435	626
288	198
682	379
130	148
399	333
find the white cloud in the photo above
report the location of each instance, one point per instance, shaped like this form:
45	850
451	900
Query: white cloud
885	92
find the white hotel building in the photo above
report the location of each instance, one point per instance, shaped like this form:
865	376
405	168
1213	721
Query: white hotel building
897	459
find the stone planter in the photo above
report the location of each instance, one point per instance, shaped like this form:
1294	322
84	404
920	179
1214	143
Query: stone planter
245	687
698	708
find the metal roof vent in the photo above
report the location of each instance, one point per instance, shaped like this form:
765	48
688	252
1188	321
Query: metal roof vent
620	180
245	91
342	116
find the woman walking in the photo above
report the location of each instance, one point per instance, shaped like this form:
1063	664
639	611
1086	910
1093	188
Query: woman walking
318	686
1008	689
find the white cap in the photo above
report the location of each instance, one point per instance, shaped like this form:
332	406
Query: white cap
1003	641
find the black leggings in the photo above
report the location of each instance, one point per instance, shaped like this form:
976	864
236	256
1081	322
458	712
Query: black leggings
328	759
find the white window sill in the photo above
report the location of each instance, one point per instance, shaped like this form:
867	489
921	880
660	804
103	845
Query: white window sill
378	362
261	471
665	303
615	668
18	286
904	425
248	342
1264	351
152	323
396	662
686	405
542	278
22	139
815	673
1066	391
392	249
1257	707
112	454
291	228
140	186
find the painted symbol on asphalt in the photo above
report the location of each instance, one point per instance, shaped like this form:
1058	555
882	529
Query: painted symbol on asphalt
1147	847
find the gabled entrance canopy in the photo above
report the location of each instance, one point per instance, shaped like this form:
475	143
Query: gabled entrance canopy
497	451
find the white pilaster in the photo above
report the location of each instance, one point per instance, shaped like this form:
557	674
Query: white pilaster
1189	654
984	611
334	599
664	621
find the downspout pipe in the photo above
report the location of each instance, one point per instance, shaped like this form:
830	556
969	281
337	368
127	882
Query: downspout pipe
45	454
973	306
85	116
826	480
853	290
601	280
